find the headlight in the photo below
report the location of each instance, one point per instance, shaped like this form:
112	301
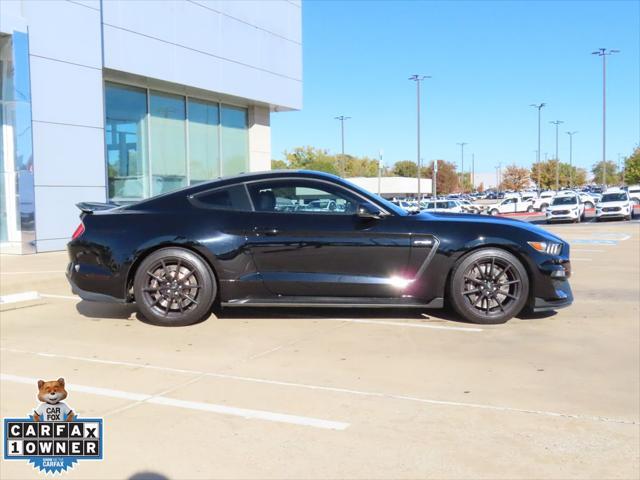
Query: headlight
547	247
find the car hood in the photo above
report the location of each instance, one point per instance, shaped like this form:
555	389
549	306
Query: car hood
483	219
562	207
613	204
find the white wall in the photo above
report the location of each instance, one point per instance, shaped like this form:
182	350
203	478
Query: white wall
248	49
67	112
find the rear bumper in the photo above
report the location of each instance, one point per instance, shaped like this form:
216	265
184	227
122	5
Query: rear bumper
74	277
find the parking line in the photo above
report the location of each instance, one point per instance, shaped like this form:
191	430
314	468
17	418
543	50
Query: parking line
325	388
586	250
348	320
189	405
19	297
64	297
582	259
33	272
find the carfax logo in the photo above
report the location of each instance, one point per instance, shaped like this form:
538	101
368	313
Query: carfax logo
52	438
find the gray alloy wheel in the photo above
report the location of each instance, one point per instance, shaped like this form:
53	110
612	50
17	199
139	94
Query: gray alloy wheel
589	205
529	209
174	287
543	207
494	212
489	286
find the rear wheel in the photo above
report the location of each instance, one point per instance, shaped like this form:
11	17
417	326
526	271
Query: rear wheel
174	287
529	209
543	207
588	205
489	286
494	212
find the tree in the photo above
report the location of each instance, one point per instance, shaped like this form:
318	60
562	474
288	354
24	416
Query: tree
360	167
447	178
567	174
405	168
632	167
278	164
481	187
605	172
515	178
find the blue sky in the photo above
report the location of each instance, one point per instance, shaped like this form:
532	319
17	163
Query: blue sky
488	60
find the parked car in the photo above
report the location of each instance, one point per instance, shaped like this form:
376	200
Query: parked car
543	201
225	241
565	206
615	203
634	194
451	206
510	205
469	207
587	200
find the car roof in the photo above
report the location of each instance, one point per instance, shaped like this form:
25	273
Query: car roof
614	190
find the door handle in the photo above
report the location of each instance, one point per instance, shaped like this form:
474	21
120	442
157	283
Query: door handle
265	230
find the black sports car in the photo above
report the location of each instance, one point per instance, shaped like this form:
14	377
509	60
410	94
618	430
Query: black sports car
309	239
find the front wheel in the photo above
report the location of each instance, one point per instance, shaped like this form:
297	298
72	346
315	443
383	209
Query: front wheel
494	212
489	286
543	207
529	209
174	287
588	205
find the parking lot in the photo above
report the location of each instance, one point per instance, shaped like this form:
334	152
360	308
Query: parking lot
343	393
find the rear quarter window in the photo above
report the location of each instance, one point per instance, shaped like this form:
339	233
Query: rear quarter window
222	198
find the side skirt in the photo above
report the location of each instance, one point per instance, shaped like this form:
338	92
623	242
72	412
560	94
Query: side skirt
334	302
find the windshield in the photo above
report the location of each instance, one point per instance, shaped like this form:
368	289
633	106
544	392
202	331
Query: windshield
382	201
564	201
614	197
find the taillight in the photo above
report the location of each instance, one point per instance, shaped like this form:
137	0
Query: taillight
79	231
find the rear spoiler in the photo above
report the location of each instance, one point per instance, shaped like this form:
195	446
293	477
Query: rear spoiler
90	207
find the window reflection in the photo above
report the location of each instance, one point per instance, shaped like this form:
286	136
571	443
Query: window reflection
158	142
126	137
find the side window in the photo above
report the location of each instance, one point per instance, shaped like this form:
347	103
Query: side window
223	198
301	196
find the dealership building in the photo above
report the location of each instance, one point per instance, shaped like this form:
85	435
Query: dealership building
121	100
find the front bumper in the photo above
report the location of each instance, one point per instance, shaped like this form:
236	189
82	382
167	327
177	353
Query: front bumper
618	214
563	216
563	298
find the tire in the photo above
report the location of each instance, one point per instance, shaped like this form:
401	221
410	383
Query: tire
628	217
472	280
494	212
543	207
589	205
529	209
172	299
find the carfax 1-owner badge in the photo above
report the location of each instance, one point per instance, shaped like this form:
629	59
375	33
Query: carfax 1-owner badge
53	437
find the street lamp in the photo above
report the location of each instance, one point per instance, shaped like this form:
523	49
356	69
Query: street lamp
539	106
342	118
462	144
418	78
556	123
603	52
571	134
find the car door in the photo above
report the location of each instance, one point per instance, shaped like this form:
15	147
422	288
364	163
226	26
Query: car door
508	206
316	252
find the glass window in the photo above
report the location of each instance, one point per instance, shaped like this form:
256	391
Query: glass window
204	155
230	198
235	140
168	142
301	197
126	138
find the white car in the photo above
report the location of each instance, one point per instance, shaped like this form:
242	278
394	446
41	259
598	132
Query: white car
588	201
544	200
469	207
634	194
615	203
450	206
510	205
566	206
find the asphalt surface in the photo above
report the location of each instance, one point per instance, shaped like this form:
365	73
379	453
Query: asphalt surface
343	393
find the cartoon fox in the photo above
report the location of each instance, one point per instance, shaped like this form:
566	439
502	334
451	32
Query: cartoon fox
52	408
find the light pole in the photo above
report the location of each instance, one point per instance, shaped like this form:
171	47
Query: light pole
380	153
473	172
418	78
499	176
556	123
435	180
342	118
462	144
539	106
603	52
571	134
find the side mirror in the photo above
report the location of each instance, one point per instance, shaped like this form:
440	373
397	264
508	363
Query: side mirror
367	210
